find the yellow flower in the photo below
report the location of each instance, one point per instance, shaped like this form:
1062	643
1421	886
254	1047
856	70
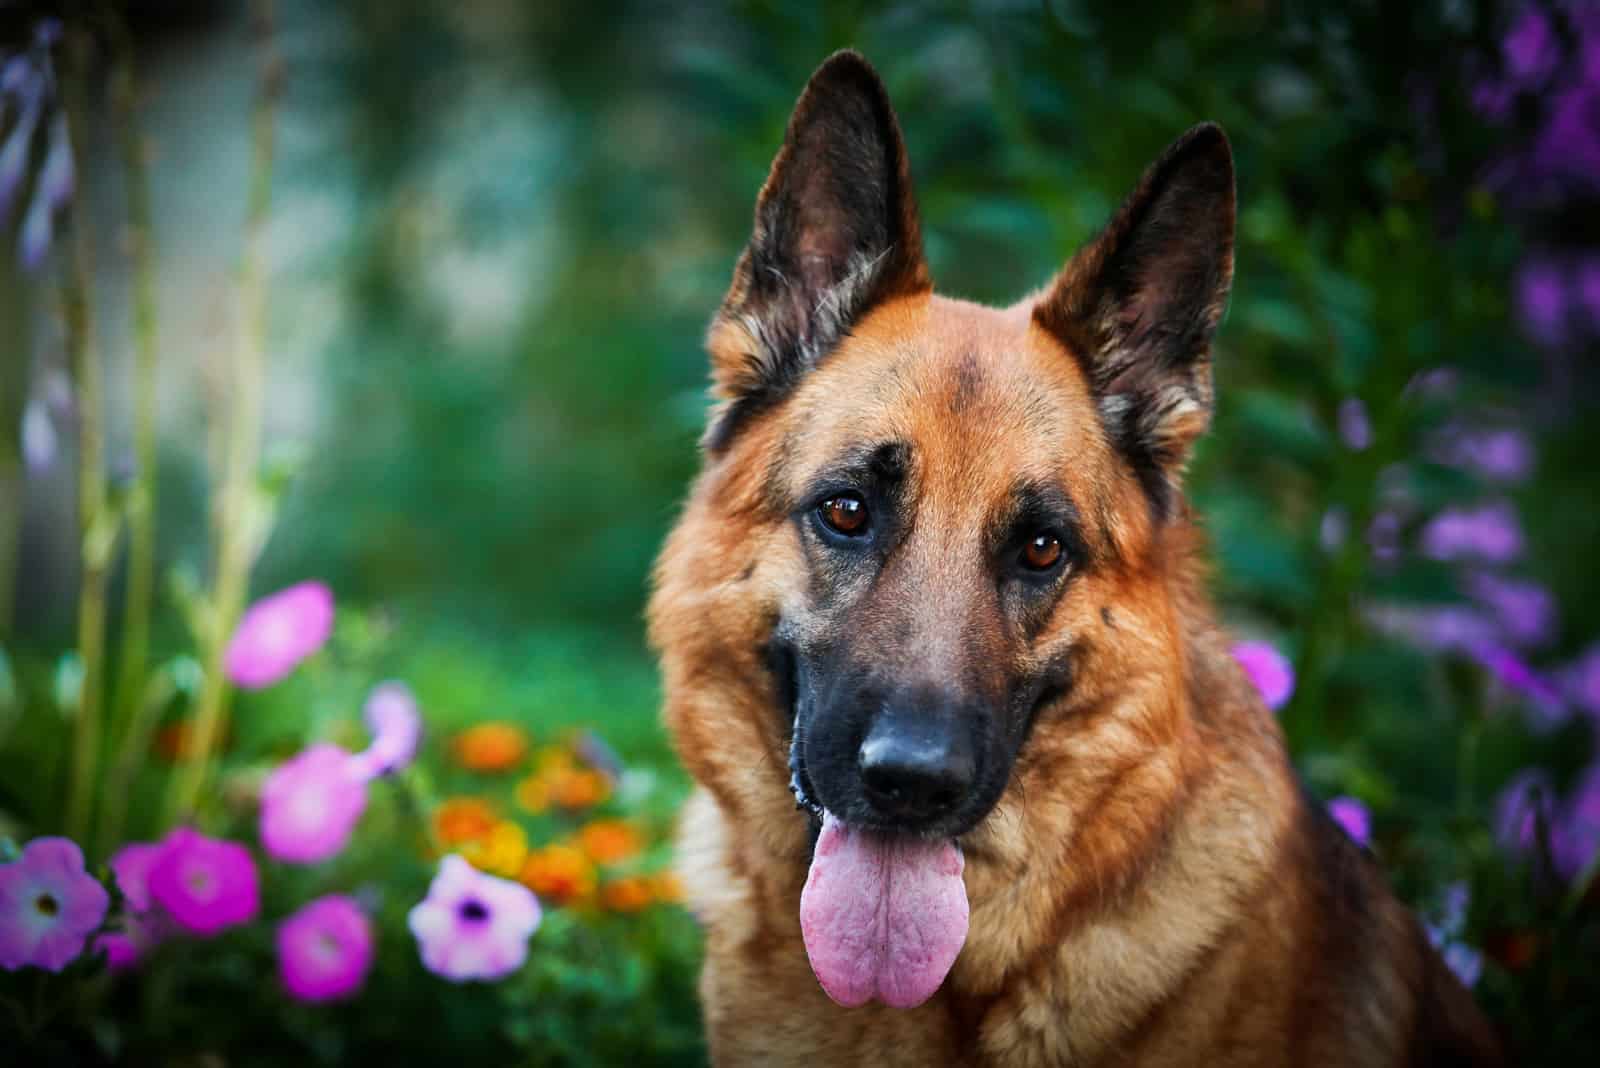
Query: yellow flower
501	852
491	747
579	789
463	819
559	873
667	886
533	793
553	758
628	894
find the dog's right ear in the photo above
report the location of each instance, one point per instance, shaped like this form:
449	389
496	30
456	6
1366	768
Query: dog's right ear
835	232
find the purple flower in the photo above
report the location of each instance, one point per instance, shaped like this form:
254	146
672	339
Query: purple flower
325	949
1383	536
277	632
1353	816
1582	680
392	717
1446	934
1503	455
1542	301
1518	810
1576	835
205	884
472	925
1589	282
1335	526
1268	670
38	436
1512	672
311	804
1524	611
1530	49
49	906
1355	429
1490	533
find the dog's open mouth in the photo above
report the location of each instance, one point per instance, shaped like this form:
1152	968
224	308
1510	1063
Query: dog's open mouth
883	915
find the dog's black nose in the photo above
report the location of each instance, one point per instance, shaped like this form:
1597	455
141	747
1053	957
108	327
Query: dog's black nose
916	769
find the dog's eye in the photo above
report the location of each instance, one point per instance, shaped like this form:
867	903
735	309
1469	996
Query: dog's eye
845	514
1041	552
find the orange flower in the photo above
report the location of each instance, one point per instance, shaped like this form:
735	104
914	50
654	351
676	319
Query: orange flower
491	747
628	894
500	852
667	886
559	873
609	841
463	819
579	789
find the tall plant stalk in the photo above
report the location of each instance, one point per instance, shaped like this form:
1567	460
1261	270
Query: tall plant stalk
236	526
141	500
97	522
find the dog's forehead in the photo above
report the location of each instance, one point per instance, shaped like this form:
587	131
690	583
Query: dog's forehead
963	385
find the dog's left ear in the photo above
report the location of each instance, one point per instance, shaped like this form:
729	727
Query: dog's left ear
1137	307
835	233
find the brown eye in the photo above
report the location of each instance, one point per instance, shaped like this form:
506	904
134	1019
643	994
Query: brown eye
1041	552
845	514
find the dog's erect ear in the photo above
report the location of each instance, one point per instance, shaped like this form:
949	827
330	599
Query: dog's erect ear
1138	305
835	232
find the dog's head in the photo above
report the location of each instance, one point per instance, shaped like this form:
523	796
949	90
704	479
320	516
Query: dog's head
925	526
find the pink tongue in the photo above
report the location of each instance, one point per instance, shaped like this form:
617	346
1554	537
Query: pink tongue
883	916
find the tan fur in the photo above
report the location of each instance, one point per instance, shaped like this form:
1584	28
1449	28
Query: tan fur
1151	888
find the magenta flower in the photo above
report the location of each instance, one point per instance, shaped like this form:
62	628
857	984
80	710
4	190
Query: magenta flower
132	865
205	884
392	717
1268	669
277	632
472	925
49	906
122	950
310	804
1353	816
325	950
1491	533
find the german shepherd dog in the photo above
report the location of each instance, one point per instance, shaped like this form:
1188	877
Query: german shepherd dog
978	781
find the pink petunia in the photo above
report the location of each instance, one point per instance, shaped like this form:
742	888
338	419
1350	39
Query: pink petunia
205	884
1353	816
1268	669
325	949
49	906
472	925
391	715
310	805
277	632
131	865
122	950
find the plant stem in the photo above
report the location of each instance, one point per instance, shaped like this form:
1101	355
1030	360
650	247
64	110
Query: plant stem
141	502
236	524
97	524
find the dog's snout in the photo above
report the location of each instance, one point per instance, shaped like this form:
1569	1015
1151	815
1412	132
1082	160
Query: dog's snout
916	771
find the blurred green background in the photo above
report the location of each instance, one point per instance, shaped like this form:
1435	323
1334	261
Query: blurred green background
498	230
